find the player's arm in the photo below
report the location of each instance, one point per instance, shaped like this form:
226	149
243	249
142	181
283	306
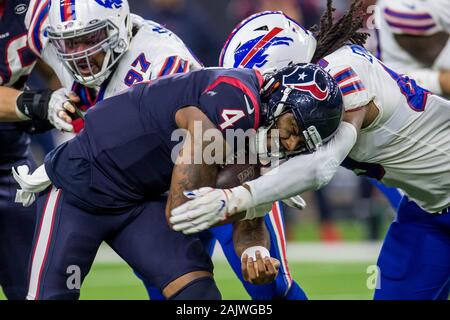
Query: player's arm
252	243
424	48
422	30
8	110
427	49
187	174
315	170
24	105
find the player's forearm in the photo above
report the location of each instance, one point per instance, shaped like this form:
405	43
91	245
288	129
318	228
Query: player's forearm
444	82
8	98
190	170
250	233
188	177
305	172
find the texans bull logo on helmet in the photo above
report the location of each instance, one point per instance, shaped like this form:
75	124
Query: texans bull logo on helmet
304	79
252	53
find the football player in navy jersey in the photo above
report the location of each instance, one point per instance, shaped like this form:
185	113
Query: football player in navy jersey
21	112
109	182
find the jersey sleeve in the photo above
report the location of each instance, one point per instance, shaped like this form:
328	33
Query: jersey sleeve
173	56
36	21
414	17
351	68
231	102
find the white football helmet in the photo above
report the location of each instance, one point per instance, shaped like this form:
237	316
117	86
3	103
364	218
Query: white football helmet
267	41
81	29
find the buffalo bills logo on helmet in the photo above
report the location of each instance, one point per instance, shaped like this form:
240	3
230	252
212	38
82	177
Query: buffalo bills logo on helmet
110	3
252	53
304	79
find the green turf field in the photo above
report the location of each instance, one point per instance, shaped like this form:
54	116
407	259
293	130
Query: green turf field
320	281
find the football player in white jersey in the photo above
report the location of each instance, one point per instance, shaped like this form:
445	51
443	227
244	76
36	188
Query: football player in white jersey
414	39
137	50
393	130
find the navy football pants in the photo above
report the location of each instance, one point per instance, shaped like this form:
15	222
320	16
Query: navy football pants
67	239
16	236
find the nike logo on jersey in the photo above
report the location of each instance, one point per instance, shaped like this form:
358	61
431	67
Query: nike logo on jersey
250	109
4	35
211	93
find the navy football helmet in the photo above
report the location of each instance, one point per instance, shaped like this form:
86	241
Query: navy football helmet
311	94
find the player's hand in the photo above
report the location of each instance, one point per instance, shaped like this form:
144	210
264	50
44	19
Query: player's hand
61	103
259	272
295	202
208	206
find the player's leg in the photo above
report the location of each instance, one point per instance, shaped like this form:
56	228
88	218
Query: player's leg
414	262
16	236
175	263
284	287
65	244
153	292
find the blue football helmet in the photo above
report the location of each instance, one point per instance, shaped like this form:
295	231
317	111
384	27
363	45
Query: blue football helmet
311	94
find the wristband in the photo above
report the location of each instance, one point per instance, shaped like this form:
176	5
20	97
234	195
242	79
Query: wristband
251	252
33	104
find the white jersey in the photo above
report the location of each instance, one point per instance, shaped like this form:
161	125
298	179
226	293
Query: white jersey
408	144
154	51
411	17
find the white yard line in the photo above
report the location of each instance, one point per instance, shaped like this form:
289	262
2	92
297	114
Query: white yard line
346	252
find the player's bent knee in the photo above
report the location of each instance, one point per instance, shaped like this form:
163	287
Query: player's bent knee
200	289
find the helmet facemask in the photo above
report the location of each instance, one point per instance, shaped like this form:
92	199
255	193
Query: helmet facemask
98	37
272	114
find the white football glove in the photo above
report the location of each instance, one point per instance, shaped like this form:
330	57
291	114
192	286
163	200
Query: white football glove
59	101
30	184
209	206
295	202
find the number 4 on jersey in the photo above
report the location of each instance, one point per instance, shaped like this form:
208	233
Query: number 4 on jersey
230	117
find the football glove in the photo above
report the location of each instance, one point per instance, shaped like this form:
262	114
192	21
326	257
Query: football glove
208	206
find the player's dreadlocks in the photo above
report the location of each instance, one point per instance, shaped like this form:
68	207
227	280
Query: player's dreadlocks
331	37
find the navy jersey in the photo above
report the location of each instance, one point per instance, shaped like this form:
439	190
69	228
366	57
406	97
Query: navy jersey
16	63
124	153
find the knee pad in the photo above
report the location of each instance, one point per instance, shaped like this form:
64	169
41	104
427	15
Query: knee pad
199	289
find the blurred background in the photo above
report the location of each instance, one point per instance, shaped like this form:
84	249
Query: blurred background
343	223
